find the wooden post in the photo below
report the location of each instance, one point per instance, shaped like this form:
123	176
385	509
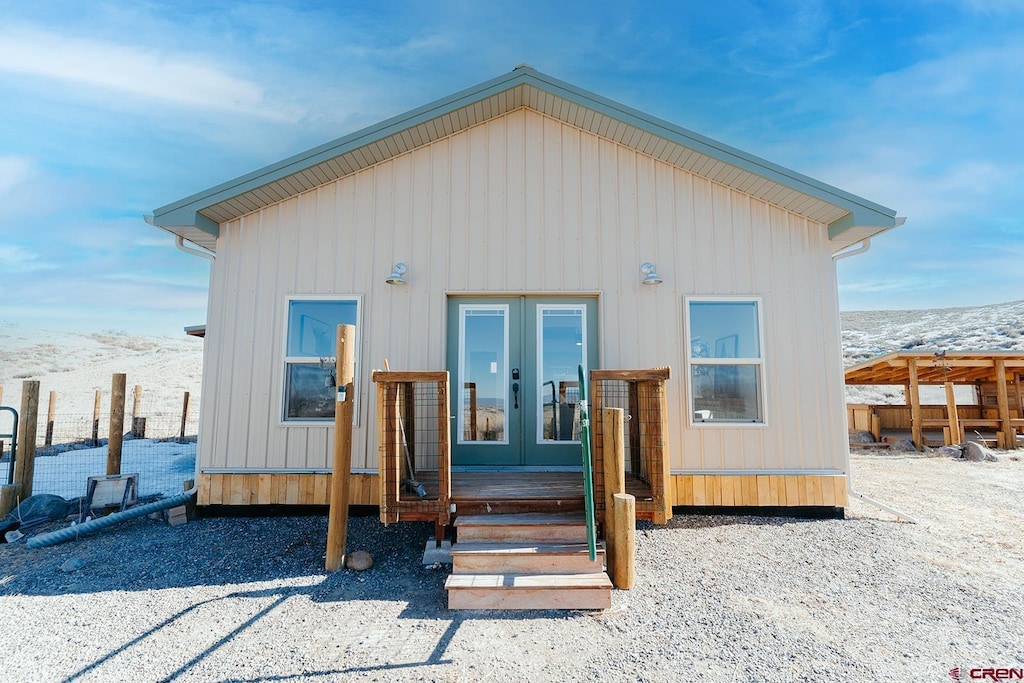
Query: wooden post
116	433
10	495
50	412
876	427
444	454
184	418
337	518
915	405
654	438
614	456
1009	435
96	419
24	463
951	413
138	422
624	564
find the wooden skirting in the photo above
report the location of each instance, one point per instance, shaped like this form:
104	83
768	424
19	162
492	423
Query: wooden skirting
684	489
282	489
783	490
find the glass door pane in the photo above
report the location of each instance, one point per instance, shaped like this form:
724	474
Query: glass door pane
483	373
561	347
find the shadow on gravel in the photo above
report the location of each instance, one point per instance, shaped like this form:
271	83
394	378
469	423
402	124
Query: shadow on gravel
147	555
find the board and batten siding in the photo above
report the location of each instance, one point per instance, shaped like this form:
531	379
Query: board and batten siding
524	204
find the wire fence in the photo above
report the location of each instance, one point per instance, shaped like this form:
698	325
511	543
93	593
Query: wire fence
160	448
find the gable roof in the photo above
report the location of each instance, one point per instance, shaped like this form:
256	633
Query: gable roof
849	218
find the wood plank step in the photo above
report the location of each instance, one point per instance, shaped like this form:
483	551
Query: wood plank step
566	527
523	518
529	591
524	558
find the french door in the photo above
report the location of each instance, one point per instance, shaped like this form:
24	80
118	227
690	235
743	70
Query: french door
515	392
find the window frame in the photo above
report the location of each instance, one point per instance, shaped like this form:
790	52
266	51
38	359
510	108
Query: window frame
758	363
287	361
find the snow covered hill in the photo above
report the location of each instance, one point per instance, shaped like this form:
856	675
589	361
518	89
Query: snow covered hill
75	364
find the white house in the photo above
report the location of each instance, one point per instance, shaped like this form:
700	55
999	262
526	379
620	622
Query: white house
504	234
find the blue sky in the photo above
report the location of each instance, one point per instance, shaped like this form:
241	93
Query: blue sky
113	109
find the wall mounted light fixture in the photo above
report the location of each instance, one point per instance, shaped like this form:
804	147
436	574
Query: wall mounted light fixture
651	272
397	276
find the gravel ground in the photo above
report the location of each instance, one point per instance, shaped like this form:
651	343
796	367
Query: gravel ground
716	598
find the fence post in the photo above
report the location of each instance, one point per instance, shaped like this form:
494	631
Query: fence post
116	434
24	463
624	565
613	450
96	419
337	518
184	418
50	412
138	423
136	401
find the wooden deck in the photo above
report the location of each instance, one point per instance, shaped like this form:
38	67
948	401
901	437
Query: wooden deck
511	491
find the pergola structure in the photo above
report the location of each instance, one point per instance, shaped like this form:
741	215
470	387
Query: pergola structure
1002	369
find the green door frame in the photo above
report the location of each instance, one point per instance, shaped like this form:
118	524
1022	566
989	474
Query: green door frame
518	442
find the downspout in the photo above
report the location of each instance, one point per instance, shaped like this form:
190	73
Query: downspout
179	242
864	246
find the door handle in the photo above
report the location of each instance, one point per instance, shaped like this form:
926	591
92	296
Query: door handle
515	395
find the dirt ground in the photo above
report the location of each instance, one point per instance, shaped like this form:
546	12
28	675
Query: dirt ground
716	599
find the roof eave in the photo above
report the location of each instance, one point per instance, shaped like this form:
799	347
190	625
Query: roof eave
864	218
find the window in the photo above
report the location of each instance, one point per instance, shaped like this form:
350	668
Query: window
726	360
310	346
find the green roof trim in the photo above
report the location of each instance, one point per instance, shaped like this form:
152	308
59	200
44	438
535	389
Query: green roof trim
863	214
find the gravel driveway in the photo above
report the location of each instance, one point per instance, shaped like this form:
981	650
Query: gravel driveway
716	598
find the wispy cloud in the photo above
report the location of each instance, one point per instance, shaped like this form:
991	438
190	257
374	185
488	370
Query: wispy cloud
14	171
17	259
183	79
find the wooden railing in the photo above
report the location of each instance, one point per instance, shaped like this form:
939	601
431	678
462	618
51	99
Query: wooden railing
641	393
414	446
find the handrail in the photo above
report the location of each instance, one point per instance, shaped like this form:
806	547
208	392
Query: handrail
588	471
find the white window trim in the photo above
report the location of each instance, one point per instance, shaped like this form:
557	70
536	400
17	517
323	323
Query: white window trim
286	360
759	362
461	422
539	350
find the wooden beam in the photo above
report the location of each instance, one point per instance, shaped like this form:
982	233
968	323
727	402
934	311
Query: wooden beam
1003	401
613	448
915	405
411	376
653	374
337	518
952	415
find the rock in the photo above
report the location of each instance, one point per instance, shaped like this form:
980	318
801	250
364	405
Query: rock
950	451
72	565
975	452
862	437
903	446
359	561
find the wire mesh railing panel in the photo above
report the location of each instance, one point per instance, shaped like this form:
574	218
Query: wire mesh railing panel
413	459
642	401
